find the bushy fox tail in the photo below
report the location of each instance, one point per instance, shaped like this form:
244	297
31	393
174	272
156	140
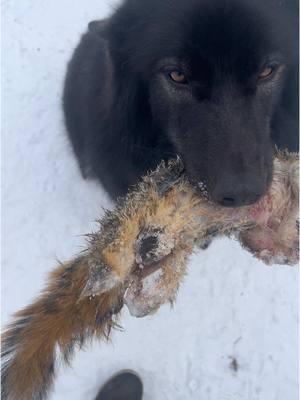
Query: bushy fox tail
59	319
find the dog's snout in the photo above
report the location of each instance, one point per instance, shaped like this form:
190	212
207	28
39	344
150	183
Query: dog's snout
237	193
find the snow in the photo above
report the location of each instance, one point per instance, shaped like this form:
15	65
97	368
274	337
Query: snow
230	307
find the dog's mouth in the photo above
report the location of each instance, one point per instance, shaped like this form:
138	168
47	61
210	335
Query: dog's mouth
242	188
273	234
206	189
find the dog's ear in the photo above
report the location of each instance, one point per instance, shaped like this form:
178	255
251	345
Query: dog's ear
124	92
99	32
99	28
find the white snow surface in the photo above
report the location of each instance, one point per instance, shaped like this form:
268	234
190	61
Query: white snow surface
230	306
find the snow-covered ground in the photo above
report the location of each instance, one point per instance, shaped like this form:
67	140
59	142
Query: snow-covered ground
230	306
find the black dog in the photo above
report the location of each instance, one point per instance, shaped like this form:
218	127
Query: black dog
215	81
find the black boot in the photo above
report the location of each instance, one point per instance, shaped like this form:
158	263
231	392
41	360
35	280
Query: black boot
125	385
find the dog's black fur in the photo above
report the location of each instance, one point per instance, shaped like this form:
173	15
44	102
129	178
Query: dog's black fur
125	113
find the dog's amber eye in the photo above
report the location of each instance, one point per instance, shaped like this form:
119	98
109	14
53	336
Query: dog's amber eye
178	76
266	72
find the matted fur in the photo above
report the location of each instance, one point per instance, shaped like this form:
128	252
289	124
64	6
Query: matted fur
139	257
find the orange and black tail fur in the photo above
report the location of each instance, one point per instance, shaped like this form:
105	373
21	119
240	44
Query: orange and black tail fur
83	297
61	318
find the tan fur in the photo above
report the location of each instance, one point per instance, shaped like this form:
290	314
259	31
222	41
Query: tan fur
57	317
139	257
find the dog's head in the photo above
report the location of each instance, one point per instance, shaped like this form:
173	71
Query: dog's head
212	73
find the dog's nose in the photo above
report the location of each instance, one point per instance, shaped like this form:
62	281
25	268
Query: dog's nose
238	195
237	199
